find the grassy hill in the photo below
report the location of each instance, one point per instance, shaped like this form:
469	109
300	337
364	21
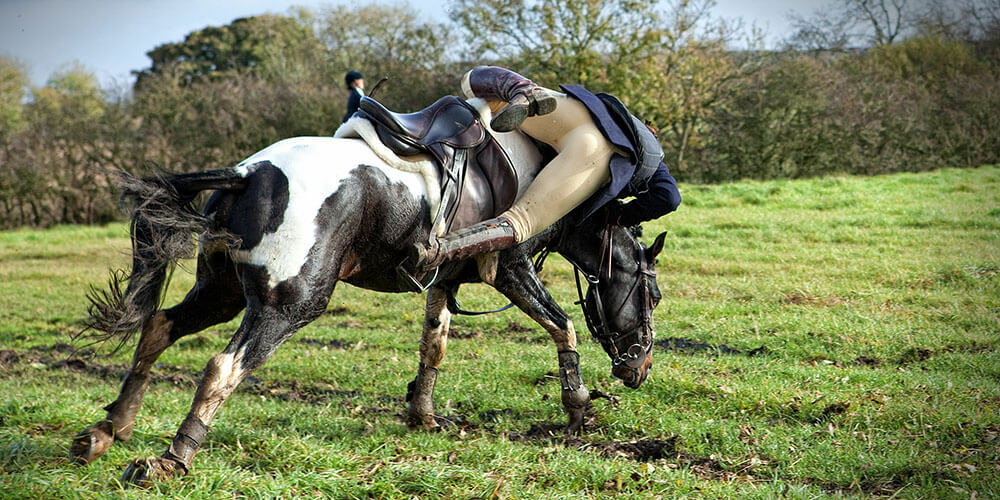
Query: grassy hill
833	337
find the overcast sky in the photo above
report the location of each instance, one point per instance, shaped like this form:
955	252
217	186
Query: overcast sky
111	37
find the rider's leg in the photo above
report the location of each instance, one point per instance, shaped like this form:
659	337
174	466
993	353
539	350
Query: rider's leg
576	173
522	97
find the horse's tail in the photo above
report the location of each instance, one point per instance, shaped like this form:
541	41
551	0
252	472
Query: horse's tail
164	222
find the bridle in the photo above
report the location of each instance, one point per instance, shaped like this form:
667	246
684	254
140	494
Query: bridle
635	355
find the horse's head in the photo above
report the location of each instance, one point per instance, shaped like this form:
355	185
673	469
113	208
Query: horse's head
620	297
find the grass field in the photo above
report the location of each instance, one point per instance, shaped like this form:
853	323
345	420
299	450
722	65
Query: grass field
834	337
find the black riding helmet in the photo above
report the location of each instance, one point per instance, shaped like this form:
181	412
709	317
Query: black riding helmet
350	77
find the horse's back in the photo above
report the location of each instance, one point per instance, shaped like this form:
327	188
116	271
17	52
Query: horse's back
303	191
316	163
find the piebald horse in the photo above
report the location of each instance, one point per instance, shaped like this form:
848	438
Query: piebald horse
288	223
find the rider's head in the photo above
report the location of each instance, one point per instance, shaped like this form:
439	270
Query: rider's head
354	79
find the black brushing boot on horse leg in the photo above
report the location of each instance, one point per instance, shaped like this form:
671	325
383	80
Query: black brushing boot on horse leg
522	96
575	396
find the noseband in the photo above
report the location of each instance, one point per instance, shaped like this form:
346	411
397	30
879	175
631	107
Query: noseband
635	355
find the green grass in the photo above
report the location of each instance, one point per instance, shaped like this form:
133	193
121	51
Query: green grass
877	299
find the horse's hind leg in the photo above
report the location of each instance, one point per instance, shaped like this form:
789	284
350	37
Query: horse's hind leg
264	328
420	392
215	298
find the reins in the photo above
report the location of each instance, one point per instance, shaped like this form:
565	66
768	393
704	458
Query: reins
633	357
455	307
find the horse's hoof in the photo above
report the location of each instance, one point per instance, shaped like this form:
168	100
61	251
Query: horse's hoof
143	472
576	418
92	443
423	421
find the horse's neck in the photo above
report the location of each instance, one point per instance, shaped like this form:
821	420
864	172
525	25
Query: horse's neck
523	154
583	242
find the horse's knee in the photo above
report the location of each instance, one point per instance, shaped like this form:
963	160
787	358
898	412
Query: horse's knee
437	319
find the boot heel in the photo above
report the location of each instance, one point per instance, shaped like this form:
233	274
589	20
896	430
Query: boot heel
542	103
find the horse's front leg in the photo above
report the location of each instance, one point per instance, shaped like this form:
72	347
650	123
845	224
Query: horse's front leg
516	279
420	392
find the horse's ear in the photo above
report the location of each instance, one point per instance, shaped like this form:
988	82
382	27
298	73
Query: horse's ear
655	249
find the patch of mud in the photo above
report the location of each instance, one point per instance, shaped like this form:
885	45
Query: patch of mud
455	423
337	311
919	354
528	335
329	344
836	408
65	357
462	332
683	344
914	355
868	361
804	299
541	431
496	416
871	486
643	450
351	323
8	357
295	391
514	326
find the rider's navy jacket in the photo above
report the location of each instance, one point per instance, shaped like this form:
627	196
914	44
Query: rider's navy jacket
661	195
353	101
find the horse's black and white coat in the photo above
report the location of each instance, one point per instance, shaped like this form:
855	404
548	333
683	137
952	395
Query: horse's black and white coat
283	227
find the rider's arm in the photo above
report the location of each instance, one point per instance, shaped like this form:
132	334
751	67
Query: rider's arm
660	198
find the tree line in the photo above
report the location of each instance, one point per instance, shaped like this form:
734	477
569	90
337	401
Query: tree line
861	87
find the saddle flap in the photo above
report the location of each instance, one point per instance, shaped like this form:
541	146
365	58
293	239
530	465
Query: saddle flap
496	166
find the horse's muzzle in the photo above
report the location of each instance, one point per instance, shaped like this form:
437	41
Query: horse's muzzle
633	376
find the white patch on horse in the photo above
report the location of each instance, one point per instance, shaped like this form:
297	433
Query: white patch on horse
315	168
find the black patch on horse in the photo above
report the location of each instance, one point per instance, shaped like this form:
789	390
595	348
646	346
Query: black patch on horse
261	208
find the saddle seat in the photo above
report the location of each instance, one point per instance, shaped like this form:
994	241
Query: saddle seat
449	121
478	180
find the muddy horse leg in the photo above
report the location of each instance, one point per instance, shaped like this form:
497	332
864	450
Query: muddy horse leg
264	328
216	298
420	392
516	279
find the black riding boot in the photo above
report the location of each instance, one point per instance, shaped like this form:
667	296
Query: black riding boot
487	236
522	96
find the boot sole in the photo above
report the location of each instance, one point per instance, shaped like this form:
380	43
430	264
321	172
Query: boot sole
509	118
543	105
